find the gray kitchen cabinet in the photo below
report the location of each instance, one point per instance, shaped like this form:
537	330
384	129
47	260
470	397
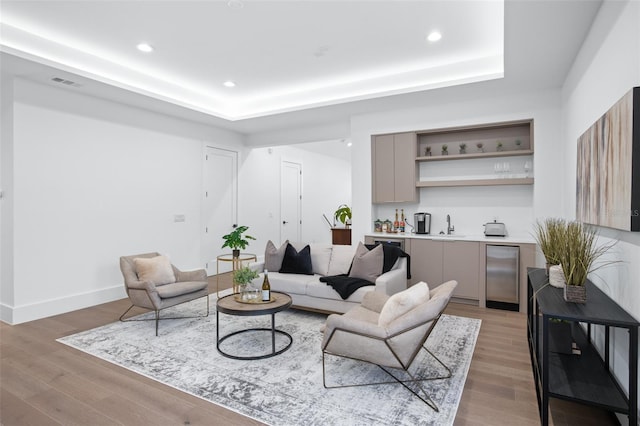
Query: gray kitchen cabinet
462	263
426	261
394	167
437	261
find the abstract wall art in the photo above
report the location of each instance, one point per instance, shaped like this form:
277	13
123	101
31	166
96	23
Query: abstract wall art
608	169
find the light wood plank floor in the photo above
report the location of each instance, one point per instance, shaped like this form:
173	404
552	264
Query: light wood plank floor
43	382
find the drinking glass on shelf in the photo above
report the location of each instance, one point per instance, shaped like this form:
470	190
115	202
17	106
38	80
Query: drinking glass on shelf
497	168
506	168
527	168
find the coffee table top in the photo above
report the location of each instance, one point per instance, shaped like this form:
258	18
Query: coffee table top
228	305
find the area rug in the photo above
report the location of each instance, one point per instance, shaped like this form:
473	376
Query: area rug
286	389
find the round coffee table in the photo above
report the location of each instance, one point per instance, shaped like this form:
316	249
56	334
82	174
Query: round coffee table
230	306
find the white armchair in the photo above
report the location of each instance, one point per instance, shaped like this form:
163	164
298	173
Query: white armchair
389	331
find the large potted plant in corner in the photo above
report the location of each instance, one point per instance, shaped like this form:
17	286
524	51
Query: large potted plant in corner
236	241
578	259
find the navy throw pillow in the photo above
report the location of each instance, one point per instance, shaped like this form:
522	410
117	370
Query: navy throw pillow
297	262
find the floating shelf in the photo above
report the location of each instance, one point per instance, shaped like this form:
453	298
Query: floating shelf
474	182
471	155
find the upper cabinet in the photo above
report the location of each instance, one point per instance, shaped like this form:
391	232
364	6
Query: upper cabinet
394	167
488	154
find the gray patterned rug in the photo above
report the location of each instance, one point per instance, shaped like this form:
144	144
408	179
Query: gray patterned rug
286	389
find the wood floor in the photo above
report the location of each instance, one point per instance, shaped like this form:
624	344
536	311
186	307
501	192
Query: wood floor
43	382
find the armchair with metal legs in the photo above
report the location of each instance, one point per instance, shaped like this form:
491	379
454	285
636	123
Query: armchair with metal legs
188	285
394	344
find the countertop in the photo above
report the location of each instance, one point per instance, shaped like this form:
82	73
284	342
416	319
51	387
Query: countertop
453	237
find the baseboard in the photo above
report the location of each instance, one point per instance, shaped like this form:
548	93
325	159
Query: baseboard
33	311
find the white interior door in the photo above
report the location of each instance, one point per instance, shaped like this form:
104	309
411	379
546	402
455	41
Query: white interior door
290	201
220	204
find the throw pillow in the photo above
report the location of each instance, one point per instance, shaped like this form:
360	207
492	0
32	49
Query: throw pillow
402	302
367	264
297	262
320	257
273	256
156	270
341	258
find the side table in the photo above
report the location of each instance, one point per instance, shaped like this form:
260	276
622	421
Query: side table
236	263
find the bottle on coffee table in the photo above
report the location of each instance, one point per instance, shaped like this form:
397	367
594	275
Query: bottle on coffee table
266	287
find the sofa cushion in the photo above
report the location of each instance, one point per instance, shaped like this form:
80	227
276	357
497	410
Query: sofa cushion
178	289
315	288
402	302
290	283
367	264
273	256
156	270
295	262
320	258
341	258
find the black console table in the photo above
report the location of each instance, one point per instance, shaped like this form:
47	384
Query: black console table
584	378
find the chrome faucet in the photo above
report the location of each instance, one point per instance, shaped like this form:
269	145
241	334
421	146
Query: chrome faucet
450	228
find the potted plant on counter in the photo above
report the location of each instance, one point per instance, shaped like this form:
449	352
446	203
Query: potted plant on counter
463	148
343	215
445	149
236	241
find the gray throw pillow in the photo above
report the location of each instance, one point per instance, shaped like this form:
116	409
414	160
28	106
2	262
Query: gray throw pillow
273	256
367	264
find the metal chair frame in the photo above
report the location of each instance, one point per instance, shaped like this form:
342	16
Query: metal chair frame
426	399
157	314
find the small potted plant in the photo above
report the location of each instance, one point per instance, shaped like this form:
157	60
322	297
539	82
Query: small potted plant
242	278
498	146
463	148
343	215
549	235
236	241
578	258
427	151
445	149
518	143
480	145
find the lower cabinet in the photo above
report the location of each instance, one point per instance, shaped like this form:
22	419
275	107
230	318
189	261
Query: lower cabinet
462	263
436	261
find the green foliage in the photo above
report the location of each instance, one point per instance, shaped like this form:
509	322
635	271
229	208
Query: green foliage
580	253
463	146
235	240
244	275
550	237
445	147
343	214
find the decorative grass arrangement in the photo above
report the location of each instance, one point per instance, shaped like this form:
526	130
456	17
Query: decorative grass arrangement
580	253
549	235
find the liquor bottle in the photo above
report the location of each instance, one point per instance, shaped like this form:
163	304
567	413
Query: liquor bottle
396	224
402	224
266	287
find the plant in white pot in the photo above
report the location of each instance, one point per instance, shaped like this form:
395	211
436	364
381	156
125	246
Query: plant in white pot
343	215
242	278
550	236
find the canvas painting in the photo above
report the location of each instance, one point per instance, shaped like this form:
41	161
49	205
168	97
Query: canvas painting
608	169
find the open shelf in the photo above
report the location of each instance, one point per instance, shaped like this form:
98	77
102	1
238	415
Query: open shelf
474	182
472	155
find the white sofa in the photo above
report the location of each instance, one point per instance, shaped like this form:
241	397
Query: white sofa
308	292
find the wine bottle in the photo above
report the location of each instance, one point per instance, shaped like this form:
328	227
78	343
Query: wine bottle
396	224
402	223
266	287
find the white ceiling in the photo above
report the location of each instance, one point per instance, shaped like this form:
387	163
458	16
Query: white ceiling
313	61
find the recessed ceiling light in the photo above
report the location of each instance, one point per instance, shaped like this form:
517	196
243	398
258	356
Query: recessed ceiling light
229	84
235	4
145	47
434	36
349	143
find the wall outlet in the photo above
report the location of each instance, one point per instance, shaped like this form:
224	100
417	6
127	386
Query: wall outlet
178	218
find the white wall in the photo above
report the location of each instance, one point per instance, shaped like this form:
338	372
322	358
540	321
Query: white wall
95	180
606	68
326	183
469	207
6	186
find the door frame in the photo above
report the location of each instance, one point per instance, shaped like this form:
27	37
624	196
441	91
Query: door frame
299	203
